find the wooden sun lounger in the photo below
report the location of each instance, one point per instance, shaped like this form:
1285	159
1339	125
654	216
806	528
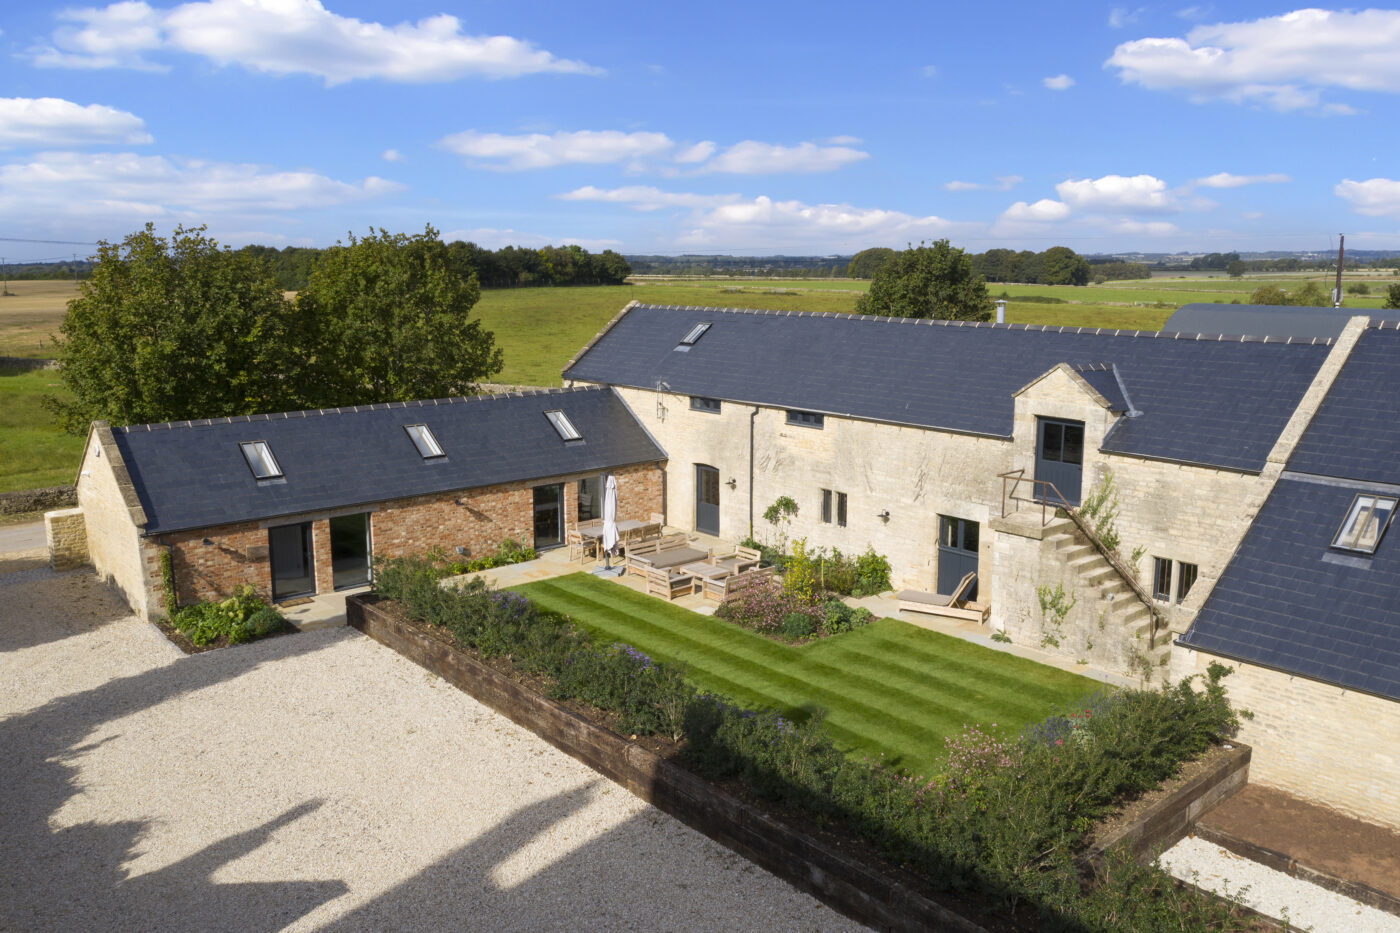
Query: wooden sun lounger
951	606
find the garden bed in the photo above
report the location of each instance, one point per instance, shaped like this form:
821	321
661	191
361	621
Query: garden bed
840	869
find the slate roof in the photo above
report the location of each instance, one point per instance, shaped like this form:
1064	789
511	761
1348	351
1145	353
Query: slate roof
1281	321
1356	431
1214	402
1104	379
193	474
1289	602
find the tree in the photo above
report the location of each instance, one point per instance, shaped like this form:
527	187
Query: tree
1236	269
167	330
928	281
1392	298
1310	295
390	321
867	262
1268	295
1063	266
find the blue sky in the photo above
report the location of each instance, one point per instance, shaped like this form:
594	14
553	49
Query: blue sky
805	128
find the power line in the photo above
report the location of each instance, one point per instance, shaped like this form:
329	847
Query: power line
11	239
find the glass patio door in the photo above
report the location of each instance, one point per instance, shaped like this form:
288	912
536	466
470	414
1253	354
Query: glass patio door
289	551
549	516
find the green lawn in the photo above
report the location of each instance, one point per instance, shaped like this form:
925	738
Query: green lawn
890	688
34	451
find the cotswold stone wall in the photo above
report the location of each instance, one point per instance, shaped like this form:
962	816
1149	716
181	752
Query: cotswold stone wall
67	539
1331	745
114	518
477	520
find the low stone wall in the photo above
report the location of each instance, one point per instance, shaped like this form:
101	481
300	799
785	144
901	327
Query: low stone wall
878	898
66	533
37	500
24	362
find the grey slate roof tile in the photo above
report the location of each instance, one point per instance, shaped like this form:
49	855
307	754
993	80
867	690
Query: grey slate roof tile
1267	320
1356	432
195	476
1213	402
1281	605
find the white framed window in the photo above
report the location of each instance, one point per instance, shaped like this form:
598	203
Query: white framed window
1165	571
563	425
694	334
423	439
1365	523
260	459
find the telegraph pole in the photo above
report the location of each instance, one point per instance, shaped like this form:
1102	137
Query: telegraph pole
4	278
1337	292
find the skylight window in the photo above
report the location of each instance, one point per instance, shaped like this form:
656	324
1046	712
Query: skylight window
563	425
1365	523
423	439
260	459
695	334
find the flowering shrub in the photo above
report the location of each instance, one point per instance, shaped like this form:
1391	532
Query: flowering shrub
762	607
242	617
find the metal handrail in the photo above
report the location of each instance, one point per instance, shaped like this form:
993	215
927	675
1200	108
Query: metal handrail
1114	561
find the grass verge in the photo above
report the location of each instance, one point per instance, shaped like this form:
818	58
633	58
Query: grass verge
35	452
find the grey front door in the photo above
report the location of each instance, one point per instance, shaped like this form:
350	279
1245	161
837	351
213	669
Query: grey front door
1059	457
957	554
706	499
350	550
289	550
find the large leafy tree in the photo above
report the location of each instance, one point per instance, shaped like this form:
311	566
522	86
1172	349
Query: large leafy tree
1392	297
169	329
1063	266
934	281
389	319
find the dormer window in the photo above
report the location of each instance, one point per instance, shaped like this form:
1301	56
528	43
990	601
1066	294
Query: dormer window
563	425
1365	523
423	439
260	459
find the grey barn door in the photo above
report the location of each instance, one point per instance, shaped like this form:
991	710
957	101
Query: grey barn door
1059	457
706	499
957	554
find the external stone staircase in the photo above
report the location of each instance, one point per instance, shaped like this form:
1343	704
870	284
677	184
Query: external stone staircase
1121	611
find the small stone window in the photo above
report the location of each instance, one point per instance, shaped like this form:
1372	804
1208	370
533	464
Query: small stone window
260	459
1165	571
1366	521
701	403
838	499
806	419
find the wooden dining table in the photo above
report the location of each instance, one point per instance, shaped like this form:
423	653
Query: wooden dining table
594	528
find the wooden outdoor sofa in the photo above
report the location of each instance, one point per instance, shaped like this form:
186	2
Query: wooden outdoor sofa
668	583
737	583
951	606
663	552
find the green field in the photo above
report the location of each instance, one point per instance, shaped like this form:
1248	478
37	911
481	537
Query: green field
889	688
34	452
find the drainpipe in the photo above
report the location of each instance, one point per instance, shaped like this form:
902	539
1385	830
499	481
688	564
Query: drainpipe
753	416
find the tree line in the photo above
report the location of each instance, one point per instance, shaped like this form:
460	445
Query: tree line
180	328
508	267
1058	265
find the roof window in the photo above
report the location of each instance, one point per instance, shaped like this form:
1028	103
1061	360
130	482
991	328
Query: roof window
691	337
1365	523
563	425
422	437
260	459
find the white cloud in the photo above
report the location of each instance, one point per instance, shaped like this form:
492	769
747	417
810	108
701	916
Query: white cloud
391	155
755	158
1042	211
761	222
1118	194
696	153
1227	180
1195	12
647	198
1003	183
291	37
538	150
51	123
1145	228
1281	62
1375	197
1058	82
130	187
497	237
1118	17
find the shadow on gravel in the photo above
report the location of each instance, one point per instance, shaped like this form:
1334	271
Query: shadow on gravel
73	878
42	606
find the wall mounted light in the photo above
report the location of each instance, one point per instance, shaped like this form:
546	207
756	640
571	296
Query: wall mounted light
733	483
207	542
462	550
884	516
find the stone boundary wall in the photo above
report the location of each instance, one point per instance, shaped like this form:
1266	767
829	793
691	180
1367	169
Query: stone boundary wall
66	534
879	898
35	500
24	362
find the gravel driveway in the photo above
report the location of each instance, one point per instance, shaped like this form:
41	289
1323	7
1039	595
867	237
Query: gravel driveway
316	781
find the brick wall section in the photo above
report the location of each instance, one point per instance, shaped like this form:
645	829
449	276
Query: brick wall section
1331	745
66	533
238	554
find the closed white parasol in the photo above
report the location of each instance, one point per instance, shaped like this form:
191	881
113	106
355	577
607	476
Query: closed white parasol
609	519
